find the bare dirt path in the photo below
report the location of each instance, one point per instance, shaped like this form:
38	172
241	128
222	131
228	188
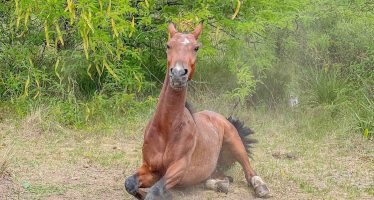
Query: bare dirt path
54	163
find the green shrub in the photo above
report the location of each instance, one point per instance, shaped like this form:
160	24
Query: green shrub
364	113
322	87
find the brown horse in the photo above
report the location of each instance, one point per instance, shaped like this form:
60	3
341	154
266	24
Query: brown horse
182	148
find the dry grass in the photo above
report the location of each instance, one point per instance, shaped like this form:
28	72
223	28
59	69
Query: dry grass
32	126
3	166
301	157
7	186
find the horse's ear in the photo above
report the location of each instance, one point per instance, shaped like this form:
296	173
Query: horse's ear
171	29
198	30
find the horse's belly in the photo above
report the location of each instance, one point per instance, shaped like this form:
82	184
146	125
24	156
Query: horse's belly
204	158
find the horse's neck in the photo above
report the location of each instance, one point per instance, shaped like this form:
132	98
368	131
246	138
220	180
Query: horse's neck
170	107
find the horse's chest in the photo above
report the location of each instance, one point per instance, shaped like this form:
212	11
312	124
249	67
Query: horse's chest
153	151
159	152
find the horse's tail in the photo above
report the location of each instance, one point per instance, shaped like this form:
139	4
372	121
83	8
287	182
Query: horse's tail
244	133
226	160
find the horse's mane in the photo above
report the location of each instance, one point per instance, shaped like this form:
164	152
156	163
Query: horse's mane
189	107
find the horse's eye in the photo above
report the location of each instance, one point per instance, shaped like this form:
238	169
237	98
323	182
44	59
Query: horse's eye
168	46
196	48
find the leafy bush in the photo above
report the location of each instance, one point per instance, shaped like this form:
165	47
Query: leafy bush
57	47
324	87
365	117
85	58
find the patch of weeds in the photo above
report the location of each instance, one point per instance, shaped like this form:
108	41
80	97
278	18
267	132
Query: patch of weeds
97	113
111	158
105	158
365	117
43	190
353	191
306	187
31	163
323	87
370	190
75	154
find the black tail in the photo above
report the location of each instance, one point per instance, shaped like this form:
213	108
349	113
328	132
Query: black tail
226	159
244	133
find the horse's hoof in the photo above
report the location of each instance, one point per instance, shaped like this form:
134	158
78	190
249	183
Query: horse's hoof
131	184
223	186
260	187
165	196
262	191
218	185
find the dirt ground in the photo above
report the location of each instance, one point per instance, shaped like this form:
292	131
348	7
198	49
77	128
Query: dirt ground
39	161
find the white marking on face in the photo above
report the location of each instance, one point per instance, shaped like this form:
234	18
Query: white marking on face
186	41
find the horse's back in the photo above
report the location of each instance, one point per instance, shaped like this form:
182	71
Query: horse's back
216	118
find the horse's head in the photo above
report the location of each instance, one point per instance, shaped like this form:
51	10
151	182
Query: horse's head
181	55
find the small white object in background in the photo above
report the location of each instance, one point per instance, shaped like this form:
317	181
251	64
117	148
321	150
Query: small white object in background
293	101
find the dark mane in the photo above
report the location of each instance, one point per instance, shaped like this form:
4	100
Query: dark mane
189	107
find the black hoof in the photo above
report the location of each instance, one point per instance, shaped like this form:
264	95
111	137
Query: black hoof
166	196
132	185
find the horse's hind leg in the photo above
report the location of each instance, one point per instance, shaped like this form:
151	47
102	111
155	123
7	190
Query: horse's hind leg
232	141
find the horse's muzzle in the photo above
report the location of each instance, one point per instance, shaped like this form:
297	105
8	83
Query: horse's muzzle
178	77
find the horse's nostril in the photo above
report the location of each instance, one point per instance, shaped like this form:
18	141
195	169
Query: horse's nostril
178	71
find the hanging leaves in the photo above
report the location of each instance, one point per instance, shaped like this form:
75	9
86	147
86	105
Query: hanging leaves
118	38
56	69
236	10
115	32
71	8
46	32
110	70
59	34
26	89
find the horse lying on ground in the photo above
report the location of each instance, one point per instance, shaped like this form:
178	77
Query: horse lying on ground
182	148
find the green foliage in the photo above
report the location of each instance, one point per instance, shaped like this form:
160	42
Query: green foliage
100	110
324	87
81	51
78	46
109	46
88	57
365	117
337	57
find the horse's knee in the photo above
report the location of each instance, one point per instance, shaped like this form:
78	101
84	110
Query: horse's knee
132	185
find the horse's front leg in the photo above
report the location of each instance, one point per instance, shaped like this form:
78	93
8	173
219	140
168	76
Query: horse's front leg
143	178
173	175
